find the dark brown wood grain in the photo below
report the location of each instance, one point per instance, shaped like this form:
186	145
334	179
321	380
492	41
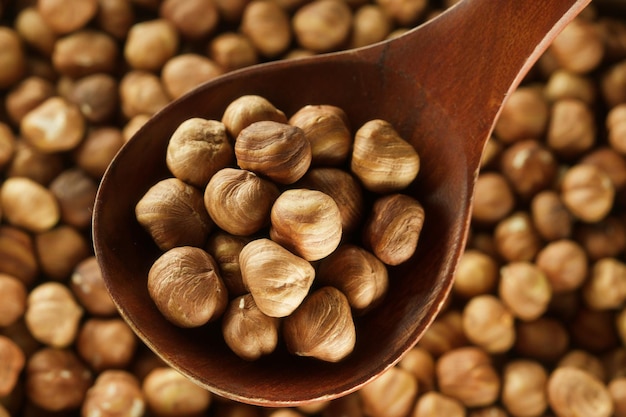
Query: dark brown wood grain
441	85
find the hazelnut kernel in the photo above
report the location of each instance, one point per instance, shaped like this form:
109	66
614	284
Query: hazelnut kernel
12	57
572	391
529	166
322	25
150	44
194	19
232	51
169	393
247	109
17	254
267	26
493	198
564	263
225	249
550	217
12	300
476	274
489	324
141	94
68	16
524	115
321	327
587	192
516	238
186	287
26	95
76	193
89	289
85	52
523	388
524	289
434	403
114	393
94	343
392	394
183	73
28	204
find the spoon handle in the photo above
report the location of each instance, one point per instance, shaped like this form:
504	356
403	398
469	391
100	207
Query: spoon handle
490	47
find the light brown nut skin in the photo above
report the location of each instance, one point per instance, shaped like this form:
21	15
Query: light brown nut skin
381	159
307	222
393	228
225	249
322	327
247	331
247	109
173	213
277	279
267	26
186	287
168	393
323	25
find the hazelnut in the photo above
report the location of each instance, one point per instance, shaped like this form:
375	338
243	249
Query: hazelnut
115	393
34	30
75	192
550	217
344	188
307	222
571	130
26	95
572	391
346	406
231	10
106	343
370	24
404	13
357	273
468	375
267	26
247	109
134	124
173	213
7	145
516	238
493	198
605	287
30	162
544	339
60	250
322	25
168	393
13	360
185	285
524	289
12	300
524	115
321	327
383	160
97	150
84	53
232	51
53	315
579	47
141	93
523	388
445	334
150	44
97	97
565	84
278	151
421	364
434	403
65	17
476	274
327	129
55	125
89	289
57	380
584	360
488	323
12	58
617	389
564	263
393	228
529	166
603	239
587	192
17	254
115	17
193	19
183	73
277	279
28	204
225	249
247	331
197	149
239	201
612	82
611	161
391	394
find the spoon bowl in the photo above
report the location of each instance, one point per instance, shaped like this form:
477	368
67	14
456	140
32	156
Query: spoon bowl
441	85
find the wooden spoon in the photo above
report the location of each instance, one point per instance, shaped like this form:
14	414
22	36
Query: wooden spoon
442	85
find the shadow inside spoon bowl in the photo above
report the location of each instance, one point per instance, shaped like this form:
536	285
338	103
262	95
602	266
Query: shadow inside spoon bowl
365	87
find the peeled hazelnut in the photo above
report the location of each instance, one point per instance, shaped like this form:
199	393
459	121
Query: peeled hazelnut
603	239
488	323
247	331
141	94
357	273
7	145
115	393
523	388
89	289
587	192
493	198
344	188
445	334
564	84
370	24
34	30
524	289
247	109
17	254
26	95
28	204
95	347
60	250
321	327
85	52
97	96
322	25
65	17
421	364
173	213
307	222
182	73
327	129
524	115
550	217
232	51
516	238
468	375
529	166
571	129
391	394
12	300
572	391
436	404
150	44
393	228
76	193
476	273
267	26
168	393
404	13
30	162
383	160
579	47
185	285
609	160
97	150
225	249
564	263
193	19
579	358
57	380
545	339
275	150
197	149
12	359
605	288
53	315
239	201
277	279
115	17
53	126
12	58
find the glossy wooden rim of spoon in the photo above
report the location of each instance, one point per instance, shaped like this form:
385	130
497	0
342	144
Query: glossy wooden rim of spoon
488	48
